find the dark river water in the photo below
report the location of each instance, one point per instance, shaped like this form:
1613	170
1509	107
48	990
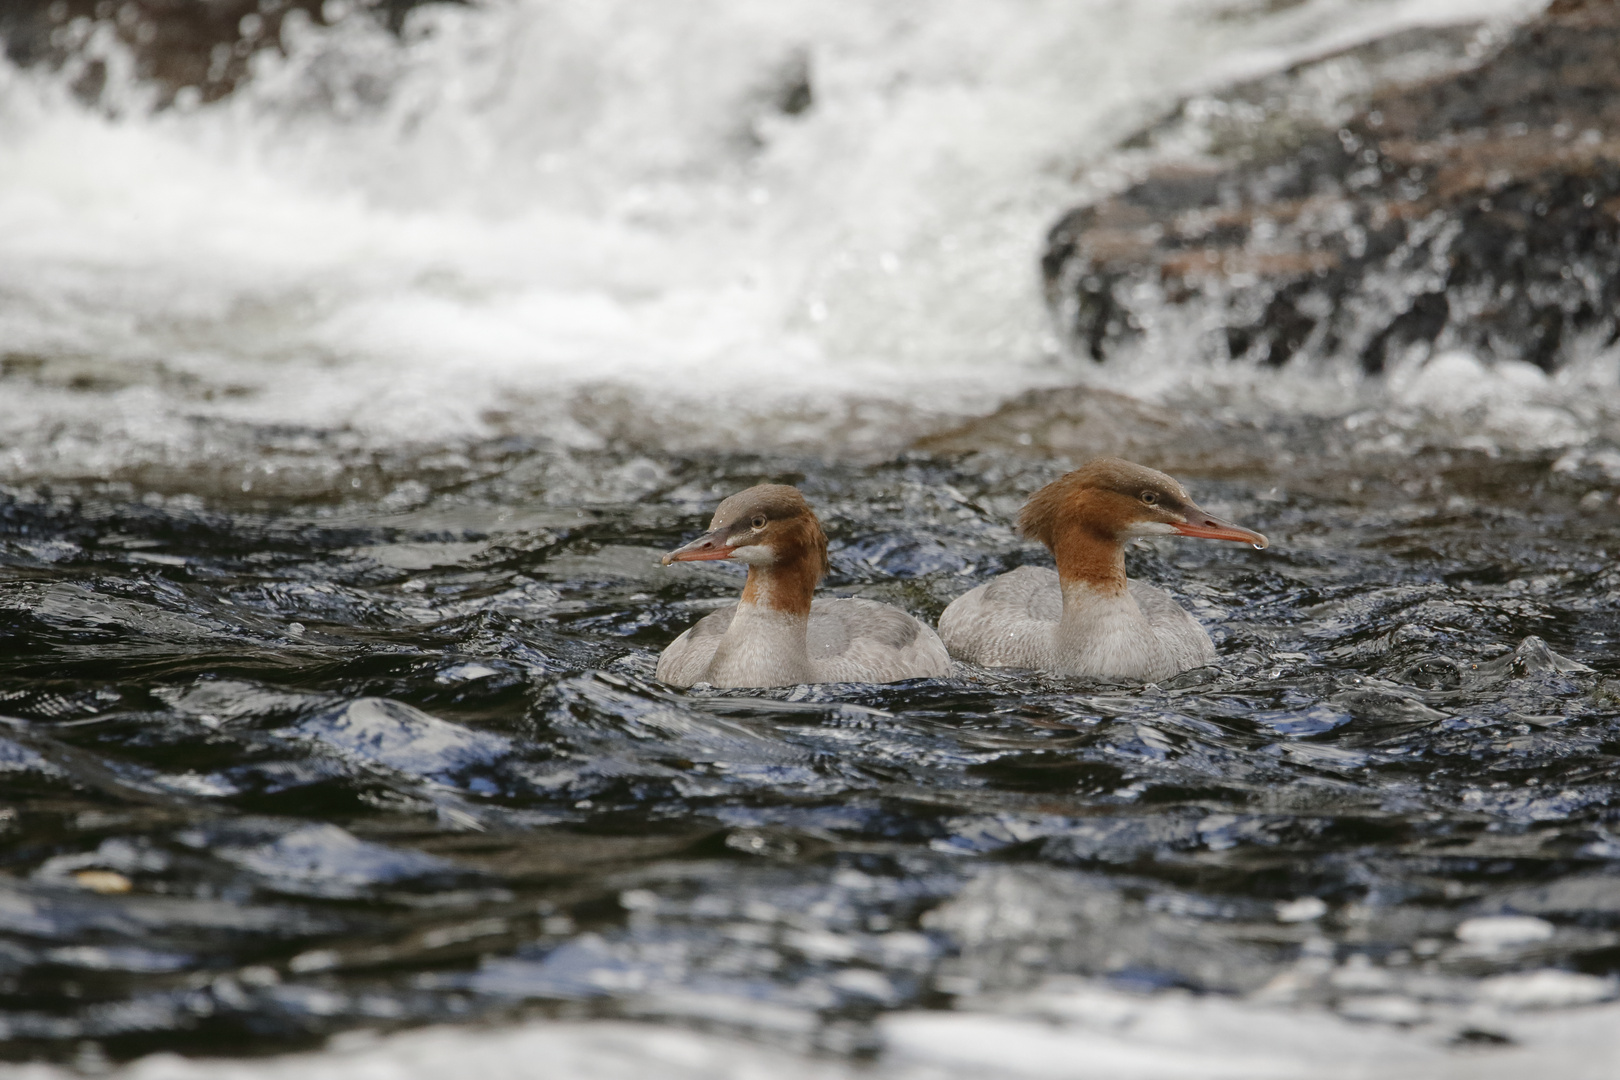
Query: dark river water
274	770
346	408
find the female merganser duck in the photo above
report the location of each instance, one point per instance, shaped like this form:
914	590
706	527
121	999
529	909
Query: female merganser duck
1087	619
777	635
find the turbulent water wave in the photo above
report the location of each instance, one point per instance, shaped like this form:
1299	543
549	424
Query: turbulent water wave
276	777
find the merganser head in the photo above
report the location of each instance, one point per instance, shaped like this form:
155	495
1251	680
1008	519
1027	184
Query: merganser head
766	526
1115	500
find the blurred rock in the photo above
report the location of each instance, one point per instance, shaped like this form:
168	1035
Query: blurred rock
1477	209
1070	420
1079	422
176	44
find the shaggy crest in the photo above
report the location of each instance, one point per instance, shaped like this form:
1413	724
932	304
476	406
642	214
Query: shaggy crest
792	527
1102	496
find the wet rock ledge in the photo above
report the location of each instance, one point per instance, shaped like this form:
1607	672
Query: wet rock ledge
1478	209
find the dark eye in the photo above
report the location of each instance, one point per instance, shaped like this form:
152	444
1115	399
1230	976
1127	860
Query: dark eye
1150	497
759	521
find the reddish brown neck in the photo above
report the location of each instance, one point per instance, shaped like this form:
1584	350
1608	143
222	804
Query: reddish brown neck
1086	556
1081	527
786	587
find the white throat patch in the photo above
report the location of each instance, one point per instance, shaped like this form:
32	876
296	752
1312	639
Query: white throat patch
755	554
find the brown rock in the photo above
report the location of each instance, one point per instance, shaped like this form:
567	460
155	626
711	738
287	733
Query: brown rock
1475	209
201	44
1078	423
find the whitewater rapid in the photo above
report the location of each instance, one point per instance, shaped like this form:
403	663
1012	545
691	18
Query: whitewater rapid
558	221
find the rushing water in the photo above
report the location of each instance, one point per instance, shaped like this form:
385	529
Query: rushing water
346	419
363	768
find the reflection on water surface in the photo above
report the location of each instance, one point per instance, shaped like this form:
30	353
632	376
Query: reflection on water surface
279	770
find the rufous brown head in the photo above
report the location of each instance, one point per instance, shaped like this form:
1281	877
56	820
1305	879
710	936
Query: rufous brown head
1116	500
768	525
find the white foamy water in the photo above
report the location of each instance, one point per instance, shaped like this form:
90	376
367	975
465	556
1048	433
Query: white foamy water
557	219
1074	1030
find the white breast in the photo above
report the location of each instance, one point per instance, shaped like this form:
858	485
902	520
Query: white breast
843	640
1025	619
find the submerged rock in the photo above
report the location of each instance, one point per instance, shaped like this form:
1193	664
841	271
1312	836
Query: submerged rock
1080	421
1478	209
